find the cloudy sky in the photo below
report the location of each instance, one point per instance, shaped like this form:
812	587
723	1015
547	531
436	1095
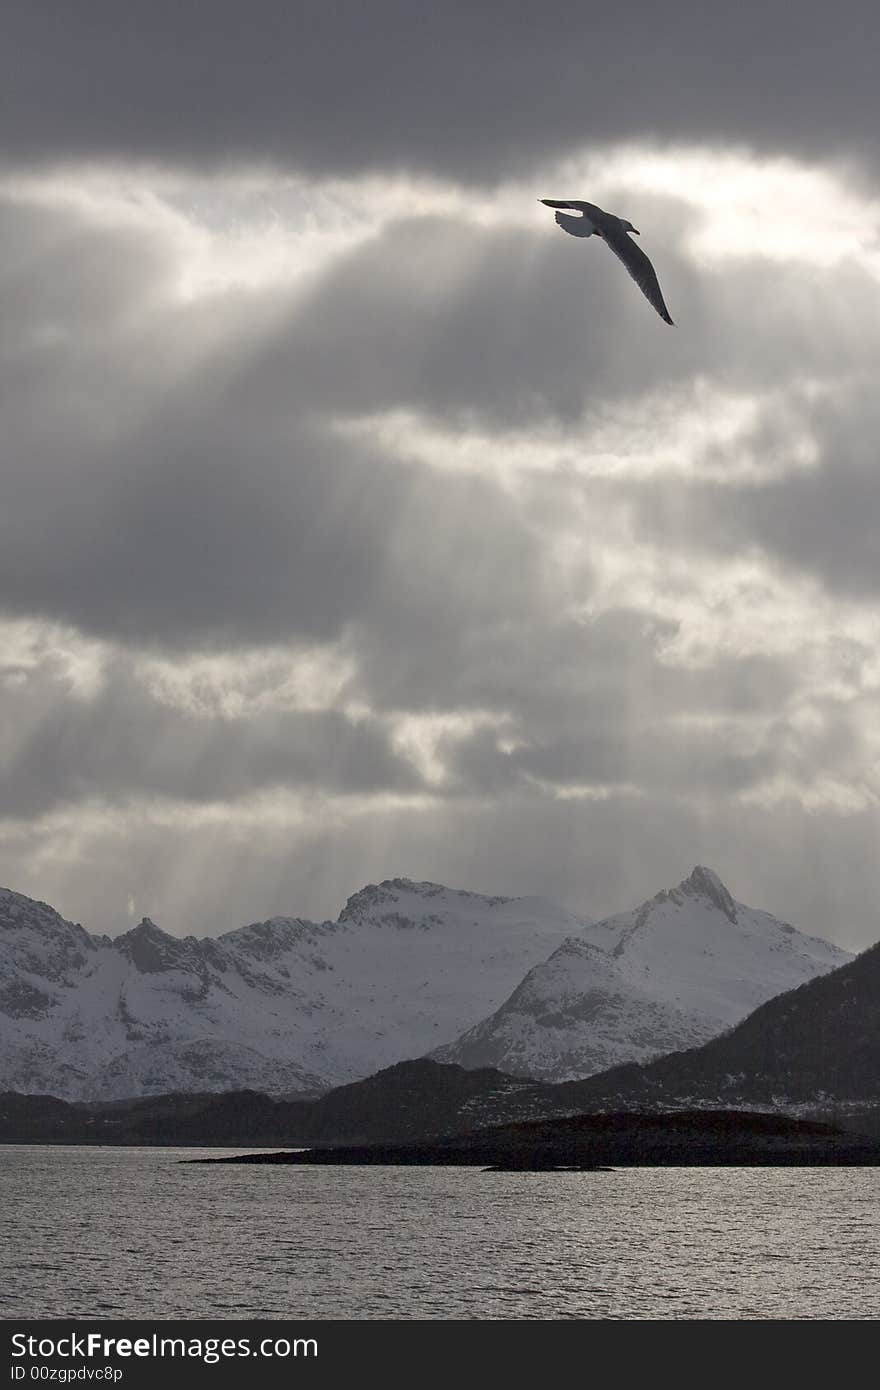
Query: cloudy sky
355	522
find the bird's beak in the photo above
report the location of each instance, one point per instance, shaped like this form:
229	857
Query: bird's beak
635	231
552	203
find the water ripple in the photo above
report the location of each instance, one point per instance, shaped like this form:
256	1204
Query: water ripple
131	1232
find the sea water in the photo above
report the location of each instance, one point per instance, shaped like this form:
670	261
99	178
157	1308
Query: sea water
133	1233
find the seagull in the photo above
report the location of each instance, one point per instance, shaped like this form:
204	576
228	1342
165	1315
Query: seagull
594	222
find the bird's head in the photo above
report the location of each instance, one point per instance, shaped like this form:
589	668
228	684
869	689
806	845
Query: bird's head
628	227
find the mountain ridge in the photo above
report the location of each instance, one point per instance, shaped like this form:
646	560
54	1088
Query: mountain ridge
284	1005
410	967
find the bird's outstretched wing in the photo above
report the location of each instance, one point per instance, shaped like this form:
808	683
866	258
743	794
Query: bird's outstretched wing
639	267
576	226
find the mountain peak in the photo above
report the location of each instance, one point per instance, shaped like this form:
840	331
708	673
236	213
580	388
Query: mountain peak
379	898
146	927
407	902
705	883
18	910
272	937
150	949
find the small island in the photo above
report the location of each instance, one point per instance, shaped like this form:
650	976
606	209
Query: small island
693	1138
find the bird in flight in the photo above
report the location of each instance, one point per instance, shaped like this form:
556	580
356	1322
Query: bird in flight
592	221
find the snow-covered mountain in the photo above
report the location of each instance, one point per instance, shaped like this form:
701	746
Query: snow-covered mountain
408	969
675	972
279	1006
813	1050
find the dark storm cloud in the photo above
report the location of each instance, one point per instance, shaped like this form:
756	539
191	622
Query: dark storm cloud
498	323
666	760
820	521
171	485
552	671
161	489
124	743
595	704
471	90
58	271
512	327
664	755
585	704
210	536
172	477
169	473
